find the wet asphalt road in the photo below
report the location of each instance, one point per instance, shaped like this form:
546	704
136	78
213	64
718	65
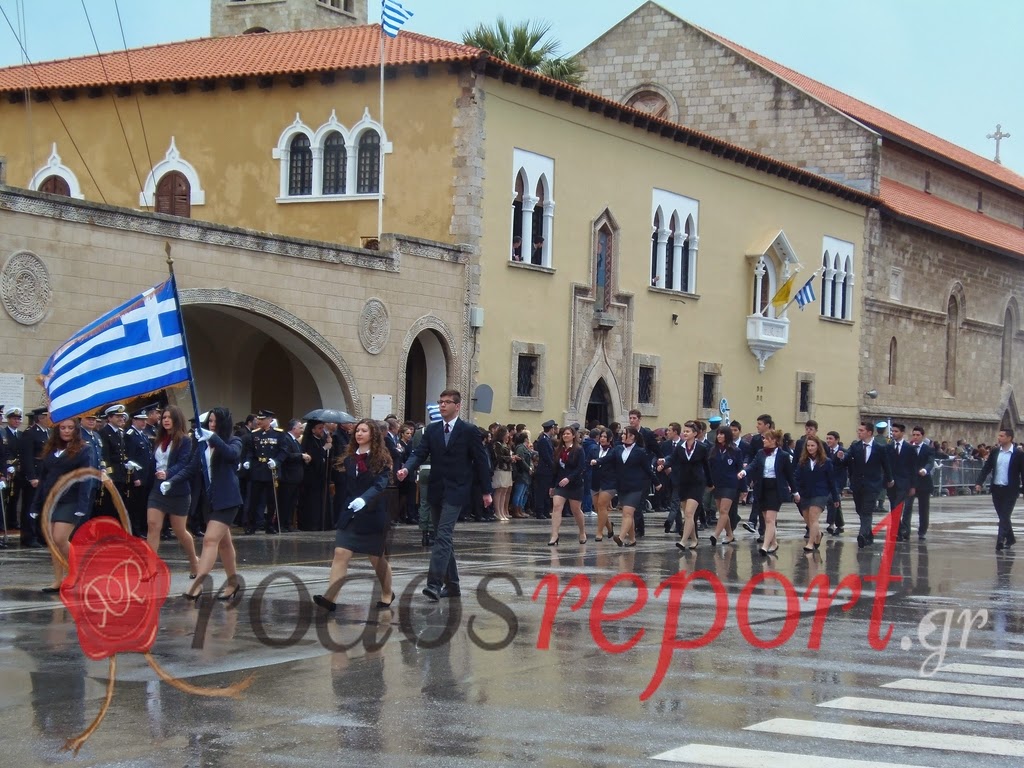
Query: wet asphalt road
504	676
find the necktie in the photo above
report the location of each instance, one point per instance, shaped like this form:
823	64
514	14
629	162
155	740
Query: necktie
447	433
899	447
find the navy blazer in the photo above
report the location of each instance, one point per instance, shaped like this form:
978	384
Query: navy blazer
871	476
754	447
784	478
221	479
54	467
925	459
290	470
349	485
820	481
1016	469
546	454
177	462
601	479
694	471
452	466
903	465
725	465
635	474
573	469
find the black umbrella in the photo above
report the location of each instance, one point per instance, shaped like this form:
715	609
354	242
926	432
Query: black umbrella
331	415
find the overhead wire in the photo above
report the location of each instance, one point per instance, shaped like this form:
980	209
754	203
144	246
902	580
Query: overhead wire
113	99
56	111
131	76
19	8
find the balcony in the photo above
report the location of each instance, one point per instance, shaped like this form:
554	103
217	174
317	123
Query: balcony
766	336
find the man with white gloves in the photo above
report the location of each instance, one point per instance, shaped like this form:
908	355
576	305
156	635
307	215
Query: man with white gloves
266	454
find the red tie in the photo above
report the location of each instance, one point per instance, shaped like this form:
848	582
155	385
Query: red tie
447	428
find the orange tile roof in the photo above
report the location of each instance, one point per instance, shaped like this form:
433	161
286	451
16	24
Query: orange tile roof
271	53
952	219
882	122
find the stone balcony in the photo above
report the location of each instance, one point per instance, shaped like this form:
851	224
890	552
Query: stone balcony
766	336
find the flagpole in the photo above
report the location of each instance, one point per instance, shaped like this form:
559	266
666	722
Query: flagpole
380	183
184	336
813	275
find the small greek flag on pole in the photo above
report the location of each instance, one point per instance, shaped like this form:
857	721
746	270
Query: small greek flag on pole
806	294
392	17
433	412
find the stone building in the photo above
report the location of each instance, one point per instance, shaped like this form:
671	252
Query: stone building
942	272
237	17
649	251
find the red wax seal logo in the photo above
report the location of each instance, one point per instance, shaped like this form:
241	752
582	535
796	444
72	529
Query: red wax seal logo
115	588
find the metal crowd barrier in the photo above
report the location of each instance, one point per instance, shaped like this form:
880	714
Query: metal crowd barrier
956	477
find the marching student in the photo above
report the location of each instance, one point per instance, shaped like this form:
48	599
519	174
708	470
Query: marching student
171	456
633	475
771	474
688	467
816	486
724	461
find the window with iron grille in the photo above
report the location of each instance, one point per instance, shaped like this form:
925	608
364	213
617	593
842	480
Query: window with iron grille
707	390
805	397
369	164
526	380
335	160
300	168
645	385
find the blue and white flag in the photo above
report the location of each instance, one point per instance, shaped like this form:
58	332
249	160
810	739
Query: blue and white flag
133	350
392	17
433	412
806	294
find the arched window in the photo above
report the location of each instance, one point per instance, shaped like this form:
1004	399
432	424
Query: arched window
892	360
173	195
669	269
838	289
300	166
55	185
827	273
952	332
335	164
368	170
687	252
764	287
657	252
517	218
1007	358
603	265
533	206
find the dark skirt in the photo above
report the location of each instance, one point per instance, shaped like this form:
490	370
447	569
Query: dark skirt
692	491
360	543
225	516
815	501
64	512
726	493
770	495
169	505
569	492
633	499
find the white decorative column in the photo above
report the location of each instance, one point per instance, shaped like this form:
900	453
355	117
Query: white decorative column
677	266
317	187
659	257
549	220
759	271
691	267
351	169
529	203
826	298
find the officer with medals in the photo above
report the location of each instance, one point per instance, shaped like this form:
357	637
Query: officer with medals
115	456
262	464
11	466
91	438
31	444
139	466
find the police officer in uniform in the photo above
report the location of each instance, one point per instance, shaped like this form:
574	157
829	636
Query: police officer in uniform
262	464
139	451
115	456
152	422
91	438
13	476
31	444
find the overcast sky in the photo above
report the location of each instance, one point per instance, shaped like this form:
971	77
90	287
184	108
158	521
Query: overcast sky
952	67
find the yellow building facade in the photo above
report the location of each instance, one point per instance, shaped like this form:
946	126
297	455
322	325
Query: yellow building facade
656	238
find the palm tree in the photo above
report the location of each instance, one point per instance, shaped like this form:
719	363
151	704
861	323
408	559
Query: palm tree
524	44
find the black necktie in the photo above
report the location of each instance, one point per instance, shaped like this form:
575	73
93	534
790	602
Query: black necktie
447	432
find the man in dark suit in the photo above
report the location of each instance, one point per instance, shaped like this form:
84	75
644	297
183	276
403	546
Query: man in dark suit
12	470
649	442
755	523
674	520
115	456
140	469
834	516
870	473
31	444
545	473
456	457
1006	465
921	486
290	472
903	462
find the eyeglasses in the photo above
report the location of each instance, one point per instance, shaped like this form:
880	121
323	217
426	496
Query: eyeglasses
446	402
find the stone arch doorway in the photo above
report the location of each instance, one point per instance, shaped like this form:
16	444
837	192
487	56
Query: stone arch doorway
248	354
427	364
599	407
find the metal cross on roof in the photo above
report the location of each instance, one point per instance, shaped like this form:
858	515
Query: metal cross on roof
998	136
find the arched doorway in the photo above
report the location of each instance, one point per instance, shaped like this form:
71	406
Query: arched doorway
248	354
426	374
599	407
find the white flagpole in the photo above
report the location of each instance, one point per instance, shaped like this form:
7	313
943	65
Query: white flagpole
380	183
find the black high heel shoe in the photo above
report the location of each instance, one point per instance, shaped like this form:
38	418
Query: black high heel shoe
553	542
230	595
382	604
324	603
193	598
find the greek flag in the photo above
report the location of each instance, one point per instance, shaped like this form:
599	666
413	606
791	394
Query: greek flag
433	412
392	17
806	294
133	350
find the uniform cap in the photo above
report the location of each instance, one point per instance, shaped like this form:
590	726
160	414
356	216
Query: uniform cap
39	411
114	410
14	412
150	408
549	424
139	415
265	414
881	425
714	420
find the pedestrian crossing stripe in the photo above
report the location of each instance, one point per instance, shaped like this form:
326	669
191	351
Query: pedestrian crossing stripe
916	709
984	670
716	756
928	685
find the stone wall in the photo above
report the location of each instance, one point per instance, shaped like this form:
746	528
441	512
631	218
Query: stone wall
231	17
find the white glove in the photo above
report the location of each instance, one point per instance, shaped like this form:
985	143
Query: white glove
245	465
132	466
3	485
165	486
202	435
356	504
10	470
271	463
